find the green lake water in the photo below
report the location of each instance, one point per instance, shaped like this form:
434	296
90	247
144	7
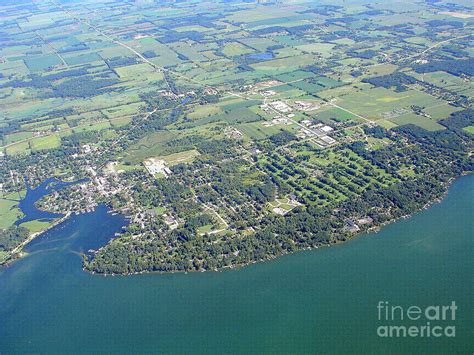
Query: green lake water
318	301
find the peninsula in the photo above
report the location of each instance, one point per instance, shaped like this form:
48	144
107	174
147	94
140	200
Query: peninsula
234	132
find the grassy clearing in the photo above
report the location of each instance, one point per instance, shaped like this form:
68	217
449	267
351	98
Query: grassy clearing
9	213
42	62
374	102
150	146
3	256
258	15
256	130
469	129
442	111
444	80
202	111
192	28
237	103
160	210
133	71
19	148
15	196
387	124
260	44
36	225
48	142
16	137
420	121
241	115
234	49
92	127
121	121
335	114
295	75
284	204
82	59
123	110
284	64
379	70
205	229
324	49
183	157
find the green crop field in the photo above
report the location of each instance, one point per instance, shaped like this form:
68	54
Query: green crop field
423	122
334	114
203	111
134	71
234	49
42	62
151	145
48	142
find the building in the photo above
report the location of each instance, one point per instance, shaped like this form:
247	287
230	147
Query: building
328	140
306	106
281	106
157	166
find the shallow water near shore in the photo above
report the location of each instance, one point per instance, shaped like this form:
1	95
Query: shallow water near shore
28	203
322	301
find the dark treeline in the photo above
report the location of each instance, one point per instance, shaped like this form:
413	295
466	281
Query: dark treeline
11	237
397	80
455	67
78	84
174	36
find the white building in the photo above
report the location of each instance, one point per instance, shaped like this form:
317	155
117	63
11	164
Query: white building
157	166
328	140
281	106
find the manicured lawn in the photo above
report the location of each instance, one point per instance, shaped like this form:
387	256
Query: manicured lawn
35	226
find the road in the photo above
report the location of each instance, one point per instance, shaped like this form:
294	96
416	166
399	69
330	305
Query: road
436	45
135	52
352	113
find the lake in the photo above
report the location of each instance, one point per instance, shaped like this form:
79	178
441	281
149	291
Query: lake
27	204
321	300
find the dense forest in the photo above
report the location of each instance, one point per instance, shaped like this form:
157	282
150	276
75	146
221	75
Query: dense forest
397	80
11	237
455	67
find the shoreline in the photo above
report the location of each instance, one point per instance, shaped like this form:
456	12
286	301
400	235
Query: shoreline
17	253
368	231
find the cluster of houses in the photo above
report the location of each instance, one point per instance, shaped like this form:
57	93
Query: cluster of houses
261	85
354	226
